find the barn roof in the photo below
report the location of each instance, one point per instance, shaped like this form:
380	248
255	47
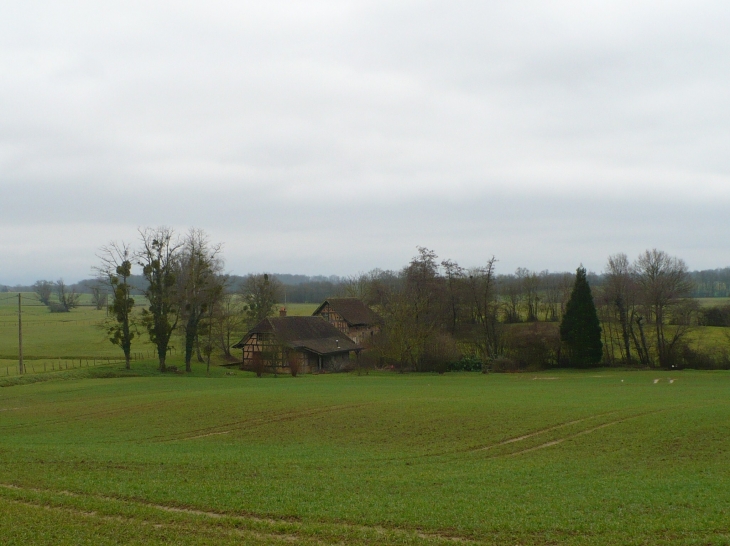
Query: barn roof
353	310
312	333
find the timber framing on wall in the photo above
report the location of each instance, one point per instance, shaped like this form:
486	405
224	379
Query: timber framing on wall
350	316
311	343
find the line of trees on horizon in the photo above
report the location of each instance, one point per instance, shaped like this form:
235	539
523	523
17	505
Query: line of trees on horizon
437	315
709	283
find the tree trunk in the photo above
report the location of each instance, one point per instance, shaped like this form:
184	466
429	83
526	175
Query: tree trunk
623	318
642	347
126	342
191	329
197	348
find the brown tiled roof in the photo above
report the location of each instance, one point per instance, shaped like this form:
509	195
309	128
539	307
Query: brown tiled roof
353	310
312	333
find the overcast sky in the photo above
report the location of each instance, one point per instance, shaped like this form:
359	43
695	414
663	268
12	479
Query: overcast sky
334	137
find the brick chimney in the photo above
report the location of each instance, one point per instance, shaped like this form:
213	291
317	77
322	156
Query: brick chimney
282	312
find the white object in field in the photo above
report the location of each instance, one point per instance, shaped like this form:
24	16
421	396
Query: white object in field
656	381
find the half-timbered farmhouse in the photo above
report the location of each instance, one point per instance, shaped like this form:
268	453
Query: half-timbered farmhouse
351	316
311	343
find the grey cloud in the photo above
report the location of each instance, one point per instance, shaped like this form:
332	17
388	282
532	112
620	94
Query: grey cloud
537	132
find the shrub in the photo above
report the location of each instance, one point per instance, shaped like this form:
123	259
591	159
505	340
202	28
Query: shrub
55	307
504	364
533	347
687	357
439	352
715	316
469	363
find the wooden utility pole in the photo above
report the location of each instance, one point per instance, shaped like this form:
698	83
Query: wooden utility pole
21	367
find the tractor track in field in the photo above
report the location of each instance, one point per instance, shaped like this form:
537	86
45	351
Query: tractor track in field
508	441
337	531
227	428
422	459
538	432
578	434
287	538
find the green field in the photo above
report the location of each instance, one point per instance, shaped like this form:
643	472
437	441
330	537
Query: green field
94	454
75	339
600	457
713	302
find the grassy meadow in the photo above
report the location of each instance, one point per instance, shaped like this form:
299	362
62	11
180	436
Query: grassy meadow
600	457
95	454
75	339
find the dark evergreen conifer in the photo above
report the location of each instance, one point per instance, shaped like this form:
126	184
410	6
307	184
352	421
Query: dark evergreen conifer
580	329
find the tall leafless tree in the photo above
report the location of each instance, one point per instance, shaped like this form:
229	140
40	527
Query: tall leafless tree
260	294
228	320
455	277
663	283
199	286
483	296
620	292
98	296
158	257
116	269
43	290
67	299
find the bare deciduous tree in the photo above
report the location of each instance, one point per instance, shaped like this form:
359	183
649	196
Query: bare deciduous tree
260	294
98	296
455	276
67	300
228	320
620	295
663	282
199	286
158	258
512	293
530	284
115	269
485	310
43	290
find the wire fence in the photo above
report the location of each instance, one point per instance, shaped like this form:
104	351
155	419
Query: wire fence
30	322
34	365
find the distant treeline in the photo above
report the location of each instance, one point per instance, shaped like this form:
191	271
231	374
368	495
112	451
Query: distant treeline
297	288
708	283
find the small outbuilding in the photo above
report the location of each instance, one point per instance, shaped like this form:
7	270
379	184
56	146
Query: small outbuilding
351	316
309	343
